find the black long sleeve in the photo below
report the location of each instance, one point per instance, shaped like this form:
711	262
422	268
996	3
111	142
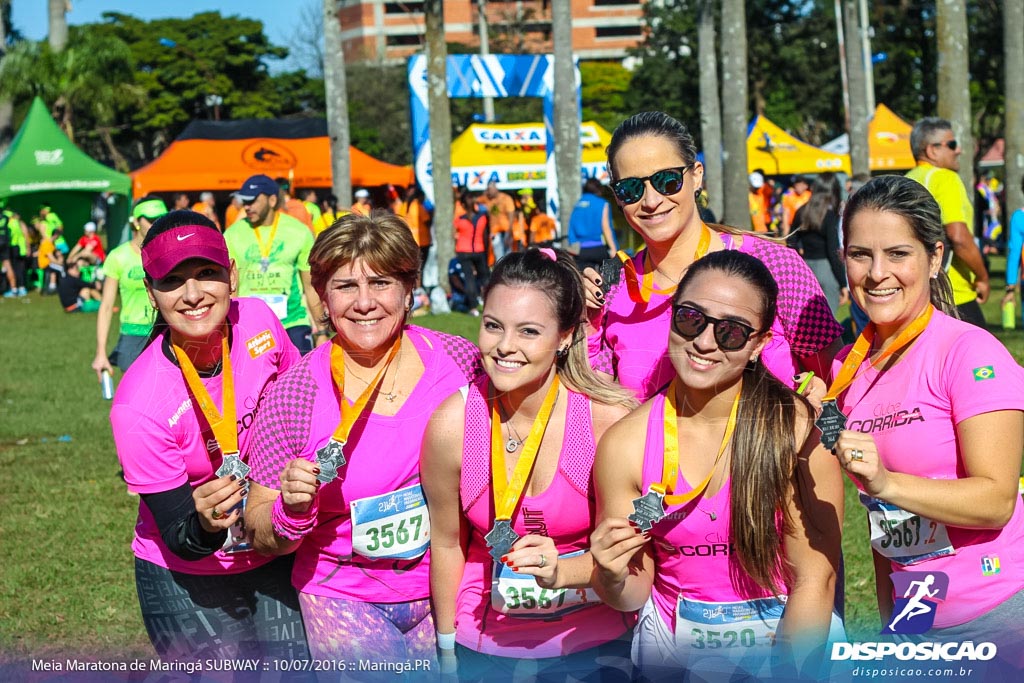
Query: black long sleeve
175	514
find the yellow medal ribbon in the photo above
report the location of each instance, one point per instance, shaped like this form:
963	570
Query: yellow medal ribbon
848	371
641	292
670	466
508	492
349	414
265	250
223	424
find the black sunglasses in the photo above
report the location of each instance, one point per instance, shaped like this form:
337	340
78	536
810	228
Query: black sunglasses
951	144
730	335
666	182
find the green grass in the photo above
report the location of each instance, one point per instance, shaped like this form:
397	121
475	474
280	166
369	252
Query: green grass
66	577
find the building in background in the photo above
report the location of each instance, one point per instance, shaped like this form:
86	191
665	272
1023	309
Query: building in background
379	31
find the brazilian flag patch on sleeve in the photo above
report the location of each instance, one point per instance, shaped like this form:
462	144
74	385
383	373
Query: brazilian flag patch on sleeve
984	372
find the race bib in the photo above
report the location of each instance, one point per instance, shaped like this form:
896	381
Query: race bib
903	537
391	526
733	627
239	539
278	304
518	595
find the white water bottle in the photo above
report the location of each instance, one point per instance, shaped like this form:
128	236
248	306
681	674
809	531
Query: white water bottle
107	383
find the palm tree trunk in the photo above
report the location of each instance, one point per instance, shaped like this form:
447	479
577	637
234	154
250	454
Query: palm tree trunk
6	106
954	79
1013	47
858	114
336	91
58	35
710	109
734	112
566	114
440	135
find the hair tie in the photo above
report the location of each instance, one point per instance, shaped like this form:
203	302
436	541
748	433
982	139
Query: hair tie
549	252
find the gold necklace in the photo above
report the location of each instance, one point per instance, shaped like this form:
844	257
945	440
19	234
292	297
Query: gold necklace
390	396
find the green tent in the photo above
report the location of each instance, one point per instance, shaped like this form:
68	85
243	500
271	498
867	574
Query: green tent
43	167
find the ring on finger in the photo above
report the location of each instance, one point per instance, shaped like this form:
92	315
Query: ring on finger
856	454
543	562
216	513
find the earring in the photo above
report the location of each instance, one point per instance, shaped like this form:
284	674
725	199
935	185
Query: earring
696	195
562	352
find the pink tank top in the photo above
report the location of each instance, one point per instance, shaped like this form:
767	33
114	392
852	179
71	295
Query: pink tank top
564	512
633	342
299	415
692	546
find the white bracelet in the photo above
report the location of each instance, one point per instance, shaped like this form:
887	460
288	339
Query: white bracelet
446	641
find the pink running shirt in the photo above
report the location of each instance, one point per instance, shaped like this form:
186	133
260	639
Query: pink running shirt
954	371
300	414
162	442
632	343
693	556
563	511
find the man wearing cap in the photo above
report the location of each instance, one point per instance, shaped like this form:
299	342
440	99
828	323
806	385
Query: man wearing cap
89	246
271	250
798	194
755	199
362	206
124	277
937	153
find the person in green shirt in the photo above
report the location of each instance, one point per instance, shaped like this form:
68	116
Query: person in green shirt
125	277
51	221
271	251
13	247
937	153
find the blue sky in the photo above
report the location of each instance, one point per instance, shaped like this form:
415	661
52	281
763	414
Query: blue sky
280	17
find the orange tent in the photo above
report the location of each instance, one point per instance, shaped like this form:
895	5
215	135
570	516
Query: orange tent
220	155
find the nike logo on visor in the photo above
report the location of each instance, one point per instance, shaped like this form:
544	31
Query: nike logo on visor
181	238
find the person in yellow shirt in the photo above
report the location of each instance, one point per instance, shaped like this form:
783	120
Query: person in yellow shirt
937	153
501	209
755	198
418	218
362	206
542	228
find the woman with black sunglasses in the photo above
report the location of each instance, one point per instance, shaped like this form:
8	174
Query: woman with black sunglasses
728	541
656	178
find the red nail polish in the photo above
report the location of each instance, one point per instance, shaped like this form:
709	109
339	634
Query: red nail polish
504	558
316	470
515	569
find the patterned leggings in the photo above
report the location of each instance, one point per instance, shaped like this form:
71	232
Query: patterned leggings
351	631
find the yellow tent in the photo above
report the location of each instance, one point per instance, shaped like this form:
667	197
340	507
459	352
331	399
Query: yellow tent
889	141
777	152
513	155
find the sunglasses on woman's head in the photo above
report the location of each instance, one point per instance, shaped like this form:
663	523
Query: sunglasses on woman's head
666	182
730	335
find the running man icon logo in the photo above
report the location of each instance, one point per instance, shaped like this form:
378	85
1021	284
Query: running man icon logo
918	597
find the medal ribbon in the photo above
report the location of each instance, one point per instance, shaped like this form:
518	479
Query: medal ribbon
508	492
670	466
349	414
641	292
848	372
265	250
224	426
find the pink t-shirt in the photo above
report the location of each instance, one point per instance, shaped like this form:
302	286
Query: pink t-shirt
162	439
299	415
953	372
693	556
632	343
563	511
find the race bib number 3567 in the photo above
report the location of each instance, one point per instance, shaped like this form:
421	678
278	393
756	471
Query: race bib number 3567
391	526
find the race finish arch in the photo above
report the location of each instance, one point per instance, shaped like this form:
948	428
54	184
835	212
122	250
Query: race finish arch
488	76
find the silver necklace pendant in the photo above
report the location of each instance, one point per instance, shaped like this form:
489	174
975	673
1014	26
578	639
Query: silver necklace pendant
511	445
390	397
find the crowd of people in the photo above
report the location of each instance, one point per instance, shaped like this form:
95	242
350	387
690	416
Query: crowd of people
636	473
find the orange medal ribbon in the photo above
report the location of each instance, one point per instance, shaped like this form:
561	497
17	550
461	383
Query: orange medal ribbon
848	371
640	291
224	425
670	466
